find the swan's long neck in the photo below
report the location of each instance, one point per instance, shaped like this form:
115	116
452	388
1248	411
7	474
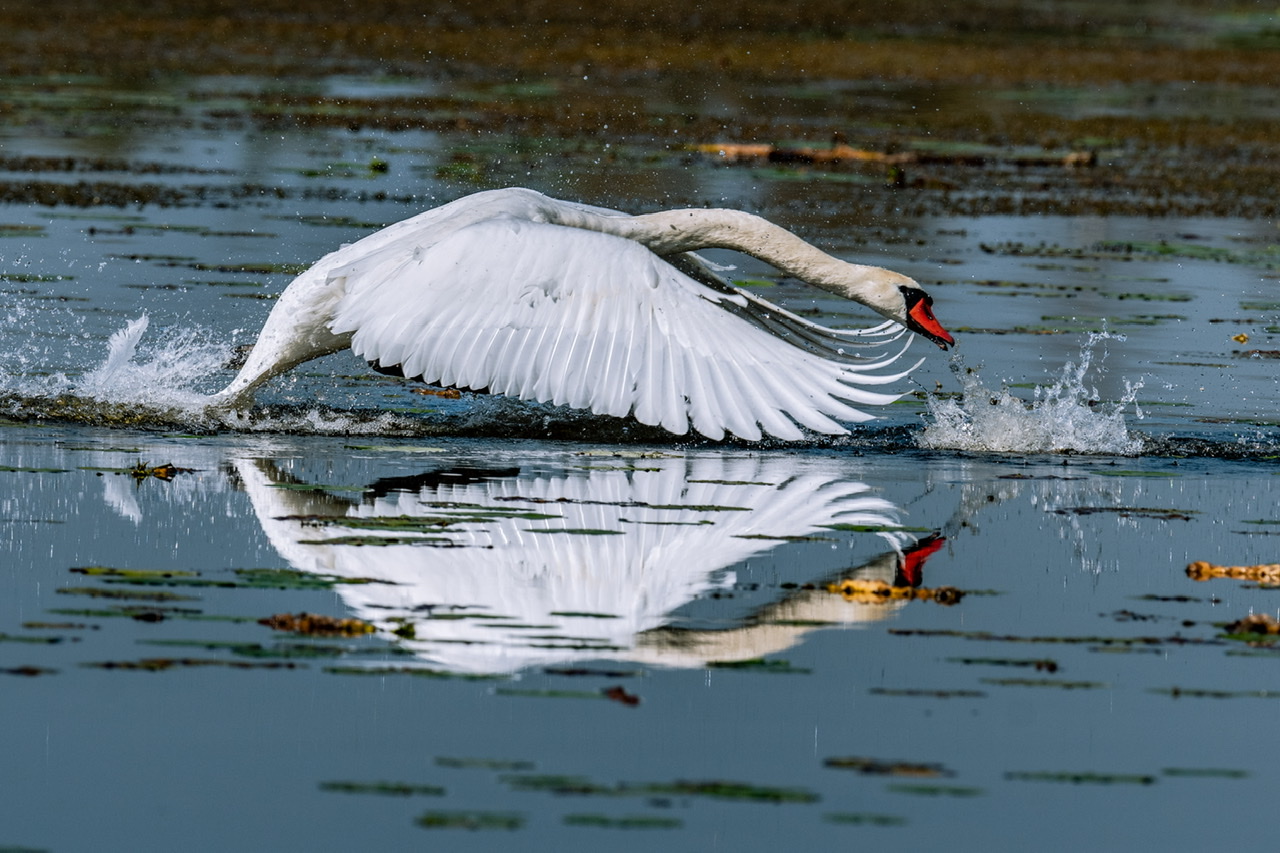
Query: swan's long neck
671	232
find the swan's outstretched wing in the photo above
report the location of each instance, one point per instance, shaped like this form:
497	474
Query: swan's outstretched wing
590	320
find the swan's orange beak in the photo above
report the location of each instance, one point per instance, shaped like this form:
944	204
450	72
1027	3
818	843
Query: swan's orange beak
920	319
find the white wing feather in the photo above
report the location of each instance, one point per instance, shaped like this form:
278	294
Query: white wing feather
590	320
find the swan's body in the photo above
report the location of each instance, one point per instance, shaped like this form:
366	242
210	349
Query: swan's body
515	293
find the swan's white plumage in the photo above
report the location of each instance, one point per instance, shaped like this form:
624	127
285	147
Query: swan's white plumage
518	294
588	320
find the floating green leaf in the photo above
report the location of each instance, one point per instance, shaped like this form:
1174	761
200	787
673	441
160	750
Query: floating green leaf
391	789
1081	778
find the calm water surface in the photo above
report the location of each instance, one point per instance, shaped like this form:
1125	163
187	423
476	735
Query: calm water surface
619	640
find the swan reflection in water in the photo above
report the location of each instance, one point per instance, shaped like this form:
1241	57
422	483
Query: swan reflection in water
495	570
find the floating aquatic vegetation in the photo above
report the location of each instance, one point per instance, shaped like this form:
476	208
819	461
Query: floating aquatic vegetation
1039	664
1046	682
1254	628
383	541
599	821
37	641
592	672
1137	249
936	790
386	789
132	574
317	625
1087	778
927	693
760	665
621	696
21	470
1264	573
877	591
881	767
470	820
1156	513
28	671
149	613
1206	693
166	472
295	579
162	664
124	595
715	789
278	650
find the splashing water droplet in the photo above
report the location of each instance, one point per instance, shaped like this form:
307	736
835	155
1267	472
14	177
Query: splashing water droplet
1064	416
163	374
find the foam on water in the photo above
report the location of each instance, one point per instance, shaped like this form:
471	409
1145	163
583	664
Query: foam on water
1063	416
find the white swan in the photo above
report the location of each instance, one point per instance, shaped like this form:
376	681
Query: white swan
515	293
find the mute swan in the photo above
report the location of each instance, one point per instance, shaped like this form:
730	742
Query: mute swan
511	292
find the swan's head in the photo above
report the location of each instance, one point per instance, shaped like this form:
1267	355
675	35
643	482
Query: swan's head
902	300
918	307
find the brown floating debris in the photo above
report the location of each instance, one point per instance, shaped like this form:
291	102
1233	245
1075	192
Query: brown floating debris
312	623
1268	573
447	393
1255	623
881	767
739	153
877	591
165	472
621	696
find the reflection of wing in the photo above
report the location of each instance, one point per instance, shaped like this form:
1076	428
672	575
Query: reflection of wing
118	493
540	568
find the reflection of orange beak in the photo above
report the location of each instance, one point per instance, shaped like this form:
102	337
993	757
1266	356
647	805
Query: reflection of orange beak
912	571
920	319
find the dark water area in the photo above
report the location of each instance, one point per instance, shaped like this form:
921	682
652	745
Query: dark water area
1029	607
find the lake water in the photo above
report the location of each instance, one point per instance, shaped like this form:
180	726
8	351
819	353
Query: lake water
970	623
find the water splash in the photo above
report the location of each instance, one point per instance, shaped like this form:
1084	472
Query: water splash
1063	416
165	374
